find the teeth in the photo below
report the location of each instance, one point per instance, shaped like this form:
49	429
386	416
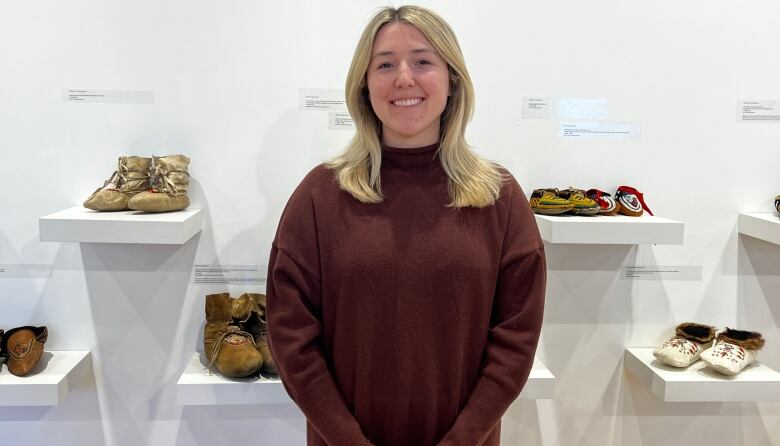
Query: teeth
407	102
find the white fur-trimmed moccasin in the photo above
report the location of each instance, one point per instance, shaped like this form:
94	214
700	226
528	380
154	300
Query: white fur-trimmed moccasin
684	348
733	351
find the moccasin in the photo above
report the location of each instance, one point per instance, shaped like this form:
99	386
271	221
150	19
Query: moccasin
607	204
170	181
23	347
249	312
227	346
685	347
733	351
632	202
235	354
129	179
269	364
582	205
547	202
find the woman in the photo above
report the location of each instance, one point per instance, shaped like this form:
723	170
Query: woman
406	280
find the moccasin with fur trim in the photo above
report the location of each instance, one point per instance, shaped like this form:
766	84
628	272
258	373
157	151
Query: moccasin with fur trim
684	348
733	351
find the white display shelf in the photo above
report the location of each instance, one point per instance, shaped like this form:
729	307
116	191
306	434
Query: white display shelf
540	384
78	224
198	387
698	383
62	370
761	225
610	230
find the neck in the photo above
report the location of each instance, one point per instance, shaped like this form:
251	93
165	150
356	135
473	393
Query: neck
426	138
409	143
424	157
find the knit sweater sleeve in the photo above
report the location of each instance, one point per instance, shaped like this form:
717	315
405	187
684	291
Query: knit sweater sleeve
516	321
294	326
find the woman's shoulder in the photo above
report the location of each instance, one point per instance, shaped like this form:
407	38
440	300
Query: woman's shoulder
312	190
319	182
510	187
318	176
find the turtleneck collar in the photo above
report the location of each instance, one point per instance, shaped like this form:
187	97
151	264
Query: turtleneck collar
409	158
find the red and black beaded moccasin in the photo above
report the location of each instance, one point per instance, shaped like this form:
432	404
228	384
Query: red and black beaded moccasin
607	204
632	202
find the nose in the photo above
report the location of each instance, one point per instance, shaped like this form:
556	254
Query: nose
405	76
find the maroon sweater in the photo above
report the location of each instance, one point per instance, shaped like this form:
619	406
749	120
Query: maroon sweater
405	322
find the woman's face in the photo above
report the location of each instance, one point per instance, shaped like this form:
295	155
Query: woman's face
408	84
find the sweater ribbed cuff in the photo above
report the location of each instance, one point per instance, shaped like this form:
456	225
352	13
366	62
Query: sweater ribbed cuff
330	417
487	405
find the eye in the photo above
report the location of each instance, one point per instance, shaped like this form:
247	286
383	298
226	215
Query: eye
424	62
384	65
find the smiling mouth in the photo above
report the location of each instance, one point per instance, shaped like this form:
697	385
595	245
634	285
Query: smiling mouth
407	102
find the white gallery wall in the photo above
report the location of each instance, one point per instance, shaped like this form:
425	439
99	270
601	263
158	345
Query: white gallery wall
225	79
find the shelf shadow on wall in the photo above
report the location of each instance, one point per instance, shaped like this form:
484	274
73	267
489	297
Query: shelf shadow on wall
14	289
635	415
584	283
521	424
590	314
758	297
584	292
25	290
759	284
136	293
38	300
210	425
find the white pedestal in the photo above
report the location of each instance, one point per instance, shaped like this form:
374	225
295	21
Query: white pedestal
698	383
761	225
78	224
196	387
610	230
61	371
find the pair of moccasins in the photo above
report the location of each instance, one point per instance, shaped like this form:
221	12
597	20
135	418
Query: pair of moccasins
627	201
552	201
727	352
235	339
156	184
22	347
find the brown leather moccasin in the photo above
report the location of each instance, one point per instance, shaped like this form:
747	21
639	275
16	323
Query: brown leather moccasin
24	348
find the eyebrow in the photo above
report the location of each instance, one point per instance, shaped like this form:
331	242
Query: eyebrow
390	53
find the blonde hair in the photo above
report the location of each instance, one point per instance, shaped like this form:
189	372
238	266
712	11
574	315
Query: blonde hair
473	181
